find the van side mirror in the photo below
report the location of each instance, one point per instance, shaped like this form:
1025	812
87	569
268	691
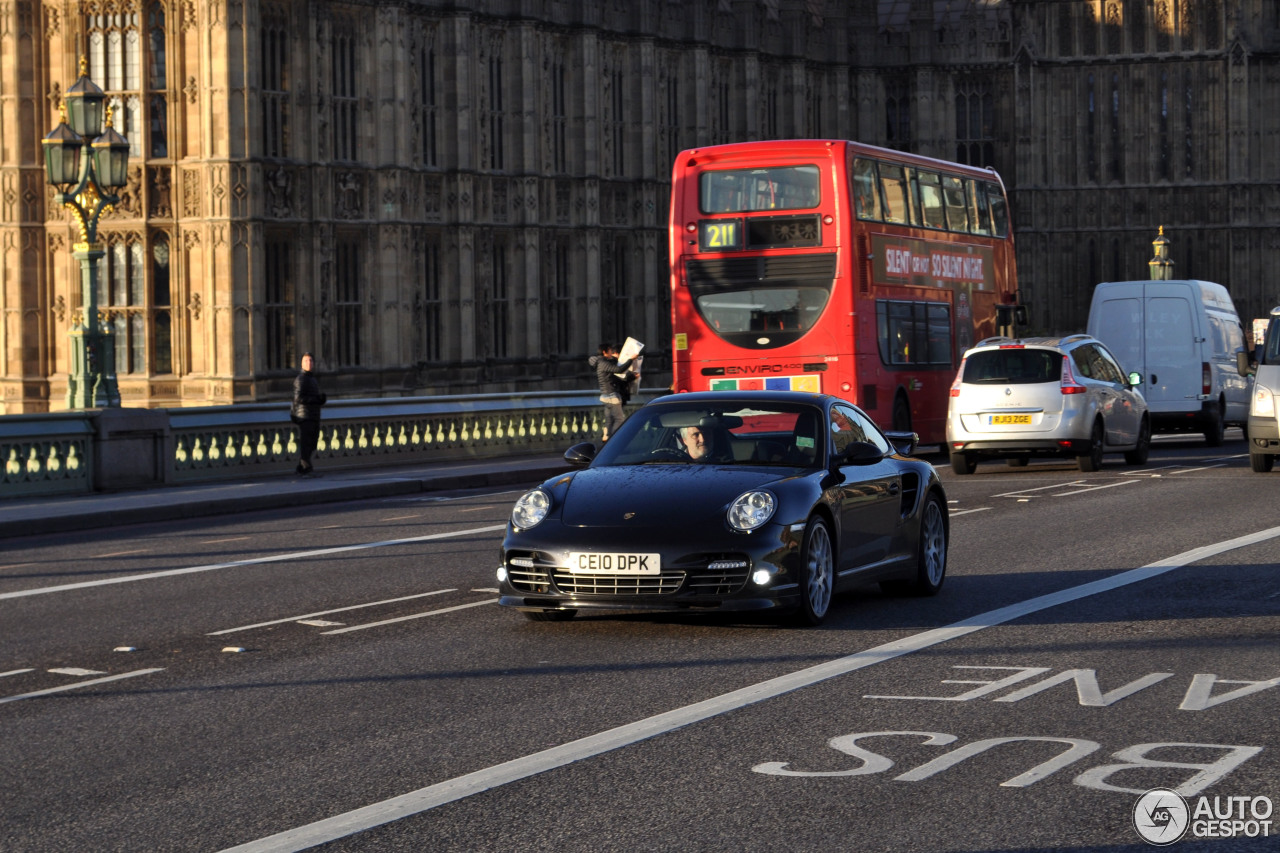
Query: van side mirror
1135	379
1244	366
1020	315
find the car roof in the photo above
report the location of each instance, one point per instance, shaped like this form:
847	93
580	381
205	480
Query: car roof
761	397
1060	342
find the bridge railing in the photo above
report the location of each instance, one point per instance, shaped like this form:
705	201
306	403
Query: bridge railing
110	449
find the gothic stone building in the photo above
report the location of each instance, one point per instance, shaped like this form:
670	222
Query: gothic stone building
459	196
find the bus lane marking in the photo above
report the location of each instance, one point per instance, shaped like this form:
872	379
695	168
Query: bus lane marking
451	790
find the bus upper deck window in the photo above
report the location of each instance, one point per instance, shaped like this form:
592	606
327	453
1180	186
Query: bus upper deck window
980	213
866	197
999	212
893	183
957	210
929	195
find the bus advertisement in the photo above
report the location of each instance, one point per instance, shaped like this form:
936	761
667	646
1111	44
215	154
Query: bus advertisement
836	267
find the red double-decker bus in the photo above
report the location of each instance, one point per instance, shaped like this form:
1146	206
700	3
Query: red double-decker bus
827	265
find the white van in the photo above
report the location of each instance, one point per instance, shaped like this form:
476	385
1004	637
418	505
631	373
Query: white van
1182	336
1264	412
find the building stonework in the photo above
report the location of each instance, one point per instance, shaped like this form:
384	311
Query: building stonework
467	197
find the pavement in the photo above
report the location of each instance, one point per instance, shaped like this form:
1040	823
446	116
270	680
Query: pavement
44	515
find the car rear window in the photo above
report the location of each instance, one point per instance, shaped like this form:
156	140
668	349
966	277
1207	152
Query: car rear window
1013	367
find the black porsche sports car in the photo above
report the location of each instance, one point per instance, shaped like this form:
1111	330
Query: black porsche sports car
722	501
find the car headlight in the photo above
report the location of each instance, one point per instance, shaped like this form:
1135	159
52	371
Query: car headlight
531	509
1264	404
751	509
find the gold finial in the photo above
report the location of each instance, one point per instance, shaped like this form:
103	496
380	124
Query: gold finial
84	65
62	110
107	120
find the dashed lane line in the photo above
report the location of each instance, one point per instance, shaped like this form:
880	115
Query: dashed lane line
275	558
411	616
424	799
79	684
327	612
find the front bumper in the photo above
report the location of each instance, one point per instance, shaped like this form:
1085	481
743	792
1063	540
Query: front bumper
1264	435
1022	447
699	573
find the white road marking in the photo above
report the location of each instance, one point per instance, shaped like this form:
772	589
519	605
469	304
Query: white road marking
1095	488
276	558
1201	468
423	799
402	517
328	612
16	672
75	670
956	512
220	541
1021	492
79	684
413	616
122	553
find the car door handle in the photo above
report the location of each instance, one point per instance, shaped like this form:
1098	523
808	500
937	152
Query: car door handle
894	488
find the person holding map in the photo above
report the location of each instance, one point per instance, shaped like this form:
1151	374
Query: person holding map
614	378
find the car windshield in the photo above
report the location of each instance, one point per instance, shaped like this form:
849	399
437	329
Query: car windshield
1012	366
722	434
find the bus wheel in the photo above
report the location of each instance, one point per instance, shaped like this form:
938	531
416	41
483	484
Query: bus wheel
901	414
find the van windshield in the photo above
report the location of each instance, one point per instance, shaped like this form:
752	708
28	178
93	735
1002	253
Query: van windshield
1271	355
1014	366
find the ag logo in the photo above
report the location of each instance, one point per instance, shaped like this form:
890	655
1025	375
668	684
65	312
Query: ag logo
1161	817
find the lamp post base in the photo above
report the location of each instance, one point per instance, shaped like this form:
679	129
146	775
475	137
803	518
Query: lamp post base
91	382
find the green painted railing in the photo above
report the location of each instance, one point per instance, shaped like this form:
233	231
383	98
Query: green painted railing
112	449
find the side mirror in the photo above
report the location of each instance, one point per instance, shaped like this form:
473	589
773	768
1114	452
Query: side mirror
1135	379
580	455
1244	366
904	443
861	453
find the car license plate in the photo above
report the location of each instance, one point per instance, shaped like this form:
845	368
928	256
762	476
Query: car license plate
613	563
1008	419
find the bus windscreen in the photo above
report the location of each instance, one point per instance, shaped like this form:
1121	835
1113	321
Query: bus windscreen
774	188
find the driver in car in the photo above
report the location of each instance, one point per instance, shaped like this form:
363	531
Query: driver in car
696	443
700	444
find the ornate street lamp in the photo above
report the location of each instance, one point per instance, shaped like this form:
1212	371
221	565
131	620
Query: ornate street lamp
86	163
1160	267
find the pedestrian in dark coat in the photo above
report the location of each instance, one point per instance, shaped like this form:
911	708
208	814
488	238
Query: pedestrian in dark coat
614	391
307	400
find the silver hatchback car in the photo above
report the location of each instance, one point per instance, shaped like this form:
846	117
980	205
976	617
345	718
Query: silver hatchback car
1014	399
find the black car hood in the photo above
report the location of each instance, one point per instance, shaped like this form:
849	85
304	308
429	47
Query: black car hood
659	495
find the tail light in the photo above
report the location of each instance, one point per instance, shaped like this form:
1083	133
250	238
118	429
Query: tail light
955	384
1069	383
1206	379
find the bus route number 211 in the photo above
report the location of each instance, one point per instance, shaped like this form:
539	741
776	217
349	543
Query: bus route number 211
720	235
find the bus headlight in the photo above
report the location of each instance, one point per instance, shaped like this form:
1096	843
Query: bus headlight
1264	403
531	509
751	509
